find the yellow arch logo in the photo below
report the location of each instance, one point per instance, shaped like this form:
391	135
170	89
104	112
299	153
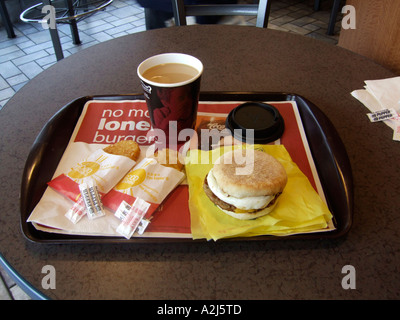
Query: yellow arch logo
84	169
132	179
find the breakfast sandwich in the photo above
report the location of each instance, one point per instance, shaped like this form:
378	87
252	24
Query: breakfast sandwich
245	184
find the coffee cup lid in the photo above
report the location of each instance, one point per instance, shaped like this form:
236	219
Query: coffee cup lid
264	119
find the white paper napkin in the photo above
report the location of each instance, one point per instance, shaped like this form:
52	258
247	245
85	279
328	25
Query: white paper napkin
379	95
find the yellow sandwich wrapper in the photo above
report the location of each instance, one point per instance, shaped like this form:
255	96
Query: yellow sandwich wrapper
299	208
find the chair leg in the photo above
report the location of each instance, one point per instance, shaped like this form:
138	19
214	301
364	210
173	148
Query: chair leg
6	19
333	16
55	38
264	9
178	7
317	5
72	23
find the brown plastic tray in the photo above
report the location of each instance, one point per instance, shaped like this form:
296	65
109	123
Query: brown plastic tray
327	149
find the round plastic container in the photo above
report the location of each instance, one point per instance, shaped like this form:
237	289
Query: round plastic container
264	119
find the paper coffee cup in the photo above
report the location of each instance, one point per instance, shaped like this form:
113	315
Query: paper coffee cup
171	85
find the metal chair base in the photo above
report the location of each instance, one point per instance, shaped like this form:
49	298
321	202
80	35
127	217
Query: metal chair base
66	11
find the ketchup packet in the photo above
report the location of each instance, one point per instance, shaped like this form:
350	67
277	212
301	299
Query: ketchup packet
77	211
132	217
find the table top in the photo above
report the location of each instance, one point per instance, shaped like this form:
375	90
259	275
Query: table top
235	58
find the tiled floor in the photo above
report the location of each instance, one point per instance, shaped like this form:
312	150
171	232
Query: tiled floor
31	52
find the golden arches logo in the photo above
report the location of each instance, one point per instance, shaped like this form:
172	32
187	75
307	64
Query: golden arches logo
84	169
132	179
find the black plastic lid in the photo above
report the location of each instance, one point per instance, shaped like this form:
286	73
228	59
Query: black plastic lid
264	119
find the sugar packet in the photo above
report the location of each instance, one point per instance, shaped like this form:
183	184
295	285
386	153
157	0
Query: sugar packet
89	203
